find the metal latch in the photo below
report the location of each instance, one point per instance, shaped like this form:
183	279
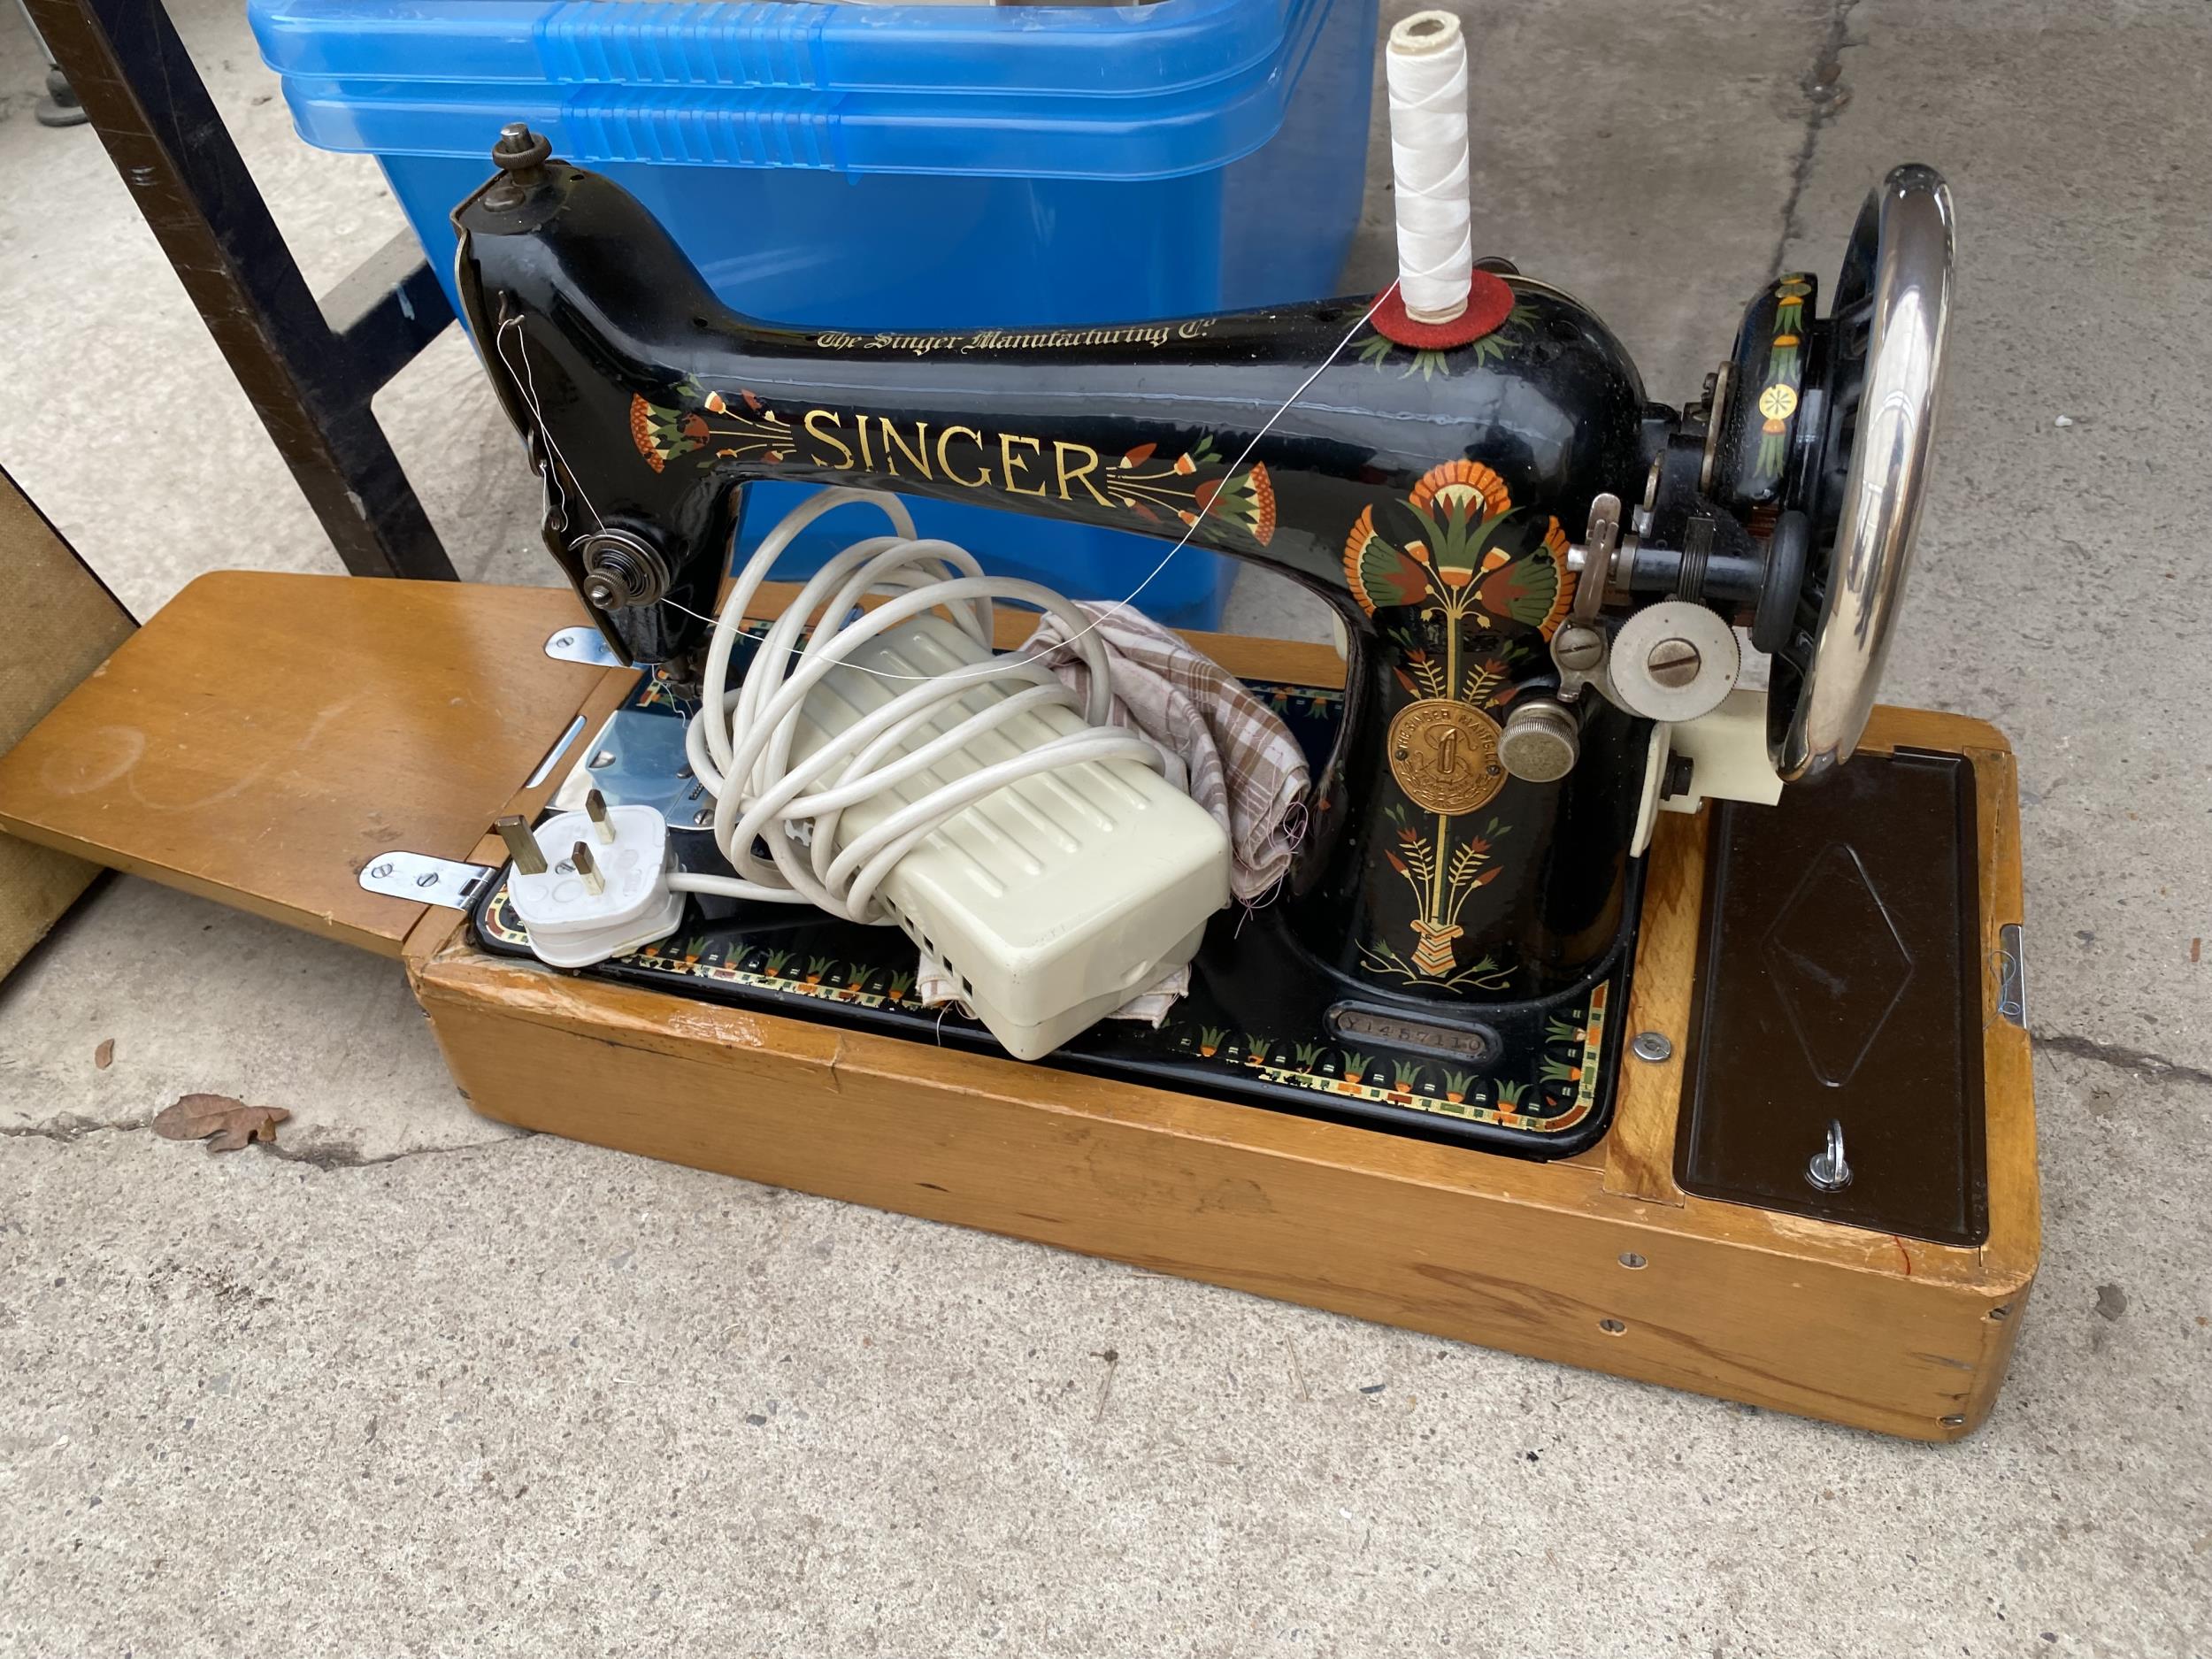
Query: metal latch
426	880
2012	976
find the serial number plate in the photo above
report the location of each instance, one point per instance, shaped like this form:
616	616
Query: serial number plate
1461	1042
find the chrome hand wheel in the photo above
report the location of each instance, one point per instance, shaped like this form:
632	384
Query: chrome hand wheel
1892	311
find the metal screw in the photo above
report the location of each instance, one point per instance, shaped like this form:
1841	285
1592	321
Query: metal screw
1654	1046
1630	1258
428	879
1578	649
1952	1421
600	762
1611	1327
382	869
1673	664
2000	1313
1829	1171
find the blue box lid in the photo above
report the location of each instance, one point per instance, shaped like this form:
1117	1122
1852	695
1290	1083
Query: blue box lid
1125	92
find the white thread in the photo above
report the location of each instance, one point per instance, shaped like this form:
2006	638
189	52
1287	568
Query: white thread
530	395
1426	69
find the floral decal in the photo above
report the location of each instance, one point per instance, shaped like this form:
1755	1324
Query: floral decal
1432	362
1477	571
1443	871
1778	398
1477	559
714	428
1242	503
1561	1092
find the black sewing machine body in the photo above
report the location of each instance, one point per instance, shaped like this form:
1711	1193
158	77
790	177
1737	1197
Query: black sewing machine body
632	363
1442	913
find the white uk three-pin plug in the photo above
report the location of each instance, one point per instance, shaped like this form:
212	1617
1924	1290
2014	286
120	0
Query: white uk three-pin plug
593	884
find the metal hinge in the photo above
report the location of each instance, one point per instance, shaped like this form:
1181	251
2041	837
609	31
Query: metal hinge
426	880
582	643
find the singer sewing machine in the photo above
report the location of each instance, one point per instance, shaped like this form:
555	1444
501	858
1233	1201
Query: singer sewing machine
1619	1008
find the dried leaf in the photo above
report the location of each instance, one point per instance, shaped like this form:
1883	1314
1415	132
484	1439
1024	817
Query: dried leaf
232	1122
103	1056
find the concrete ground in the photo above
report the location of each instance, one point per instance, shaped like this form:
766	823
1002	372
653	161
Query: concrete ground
407	1383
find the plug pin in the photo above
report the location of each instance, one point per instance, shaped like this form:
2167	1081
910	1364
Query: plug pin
595	883
522	846
596	805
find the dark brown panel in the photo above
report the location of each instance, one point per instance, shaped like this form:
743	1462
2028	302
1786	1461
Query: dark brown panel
1838	981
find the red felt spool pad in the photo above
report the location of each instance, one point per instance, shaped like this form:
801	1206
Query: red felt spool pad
1489	302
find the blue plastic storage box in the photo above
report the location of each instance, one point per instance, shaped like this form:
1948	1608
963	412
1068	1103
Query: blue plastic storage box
896	166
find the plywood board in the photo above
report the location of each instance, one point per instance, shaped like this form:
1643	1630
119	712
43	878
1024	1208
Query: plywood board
266	735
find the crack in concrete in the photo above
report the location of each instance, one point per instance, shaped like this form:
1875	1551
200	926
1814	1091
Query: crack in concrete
1827	94
69	1128
2120	1058
342	1156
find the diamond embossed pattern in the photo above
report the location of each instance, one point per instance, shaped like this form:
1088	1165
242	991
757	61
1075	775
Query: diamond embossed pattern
1838	964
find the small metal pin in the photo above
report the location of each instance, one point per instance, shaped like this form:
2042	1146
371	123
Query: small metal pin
596	806
595	883
1828	1170
522	846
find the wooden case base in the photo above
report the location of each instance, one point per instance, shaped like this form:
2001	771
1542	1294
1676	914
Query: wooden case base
1600	1260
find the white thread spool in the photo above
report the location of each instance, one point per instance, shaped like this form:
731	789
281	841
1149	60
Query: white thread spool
1426	67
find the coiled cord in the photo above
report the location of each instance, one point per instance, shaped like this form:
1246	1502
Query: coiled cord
746	734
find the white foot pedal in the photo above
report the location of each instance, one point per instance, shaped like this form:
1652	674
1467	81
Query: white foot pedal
1053	900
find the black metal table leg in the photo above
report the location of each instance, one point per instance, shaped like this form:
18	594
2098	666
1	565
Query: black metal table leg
309	374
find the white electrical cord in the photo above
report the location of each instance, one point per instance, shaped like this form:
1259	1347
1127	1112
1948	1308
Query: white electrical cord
739	743
1425	66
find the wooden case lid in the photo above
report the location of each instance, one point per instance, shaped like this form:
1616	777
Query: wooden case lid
266	736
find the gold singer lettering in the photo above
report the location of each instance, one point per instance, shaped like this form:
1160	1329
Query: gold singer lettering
917	457
1006	442
1060	453
900	449
982	480
816	420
